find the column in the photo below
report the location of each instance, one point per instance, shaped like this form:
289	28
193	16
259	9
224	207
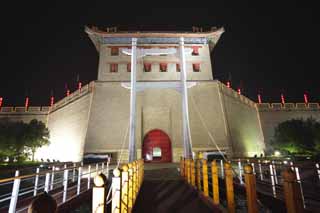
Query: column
185	112
132	133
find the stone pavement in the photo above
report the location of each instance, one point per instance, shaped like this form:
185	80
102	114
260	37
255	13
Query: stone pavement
163	191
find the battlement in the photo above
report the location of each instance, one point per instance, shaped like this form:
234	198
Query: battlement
31	110
232	93
73	96
288	107
47	109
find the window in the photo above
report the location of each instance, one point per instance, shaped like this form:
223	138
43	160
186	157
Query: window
195	50
163	67
114	51
196	67
113	67
156	152
178	67
147	67
129	67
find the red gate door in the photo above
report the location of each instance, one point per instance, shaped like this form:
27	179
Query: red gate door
157	147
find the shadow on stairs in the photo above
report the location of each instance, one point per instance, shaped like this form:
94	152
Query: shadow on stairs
165	195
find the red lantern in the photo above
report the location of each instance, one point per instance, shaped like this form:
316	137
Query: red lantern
68	92
305	96
79	86
26	104
239	91
228	84
1	101
282	99
51	101
259	99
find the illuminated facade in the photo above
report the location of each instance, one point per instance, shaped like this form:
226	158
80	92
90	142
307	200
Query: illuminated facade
146	111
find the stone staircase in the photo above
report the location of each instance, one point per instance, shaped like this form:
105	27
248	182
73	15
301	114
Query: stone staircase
164	191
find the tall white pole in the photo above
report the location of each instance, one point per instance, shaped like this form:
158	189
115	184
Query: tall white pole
132	145
185	112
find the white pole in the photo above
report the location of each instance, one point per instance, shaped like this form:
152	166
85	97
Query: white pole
240	171
185	109
47	182
52	178
300	183
318	170
89	176
97	169
15	193
221	169
275	172
65	185
115	204
260	170
79	180
74	172
36	181
108	168
102	167
272	181
132	133
253	169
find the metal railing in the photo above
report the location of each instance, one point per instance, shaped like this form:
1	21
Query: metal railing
276	180
62	183
126	184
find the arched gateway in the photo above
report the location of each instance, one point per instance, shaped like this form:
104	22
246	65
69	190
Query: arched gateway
156	147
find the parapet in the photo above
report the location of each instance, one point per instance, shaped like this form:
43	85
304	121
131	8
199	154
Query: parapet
47	109
31	110
288	107
73	96
232	93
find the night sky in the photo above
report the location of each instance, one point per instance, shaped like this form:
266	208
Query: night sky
272	48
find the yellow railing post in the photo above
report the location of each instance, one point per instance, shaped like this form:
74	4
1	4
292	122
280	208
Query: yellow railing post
182	167
205	178
229	187
187	170
250	183
292	192
99	193
130	182
134	181
125	189
116	191
193	174
199	174
215	182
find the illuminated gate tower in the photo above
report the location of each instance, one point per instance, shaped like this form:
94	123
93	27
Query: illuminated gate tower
155	97
141	103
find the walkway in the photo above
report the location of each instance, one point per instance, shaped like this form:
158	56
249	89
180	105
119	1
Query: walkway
164	191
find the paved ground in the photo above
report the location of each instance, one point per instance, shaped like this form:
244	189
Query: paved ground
164	191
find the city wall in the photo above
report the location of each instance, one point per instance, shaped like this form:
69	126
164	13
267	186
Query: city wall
273	114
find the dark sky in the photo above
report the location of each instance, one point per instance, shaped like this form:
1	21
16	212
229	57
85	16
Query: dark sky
267	47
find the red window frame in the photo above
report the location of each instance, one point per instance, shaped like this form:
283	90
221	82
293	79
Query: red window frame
178	69
196	67
147	67
114	51
113	67
129	67
195	50
163	67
